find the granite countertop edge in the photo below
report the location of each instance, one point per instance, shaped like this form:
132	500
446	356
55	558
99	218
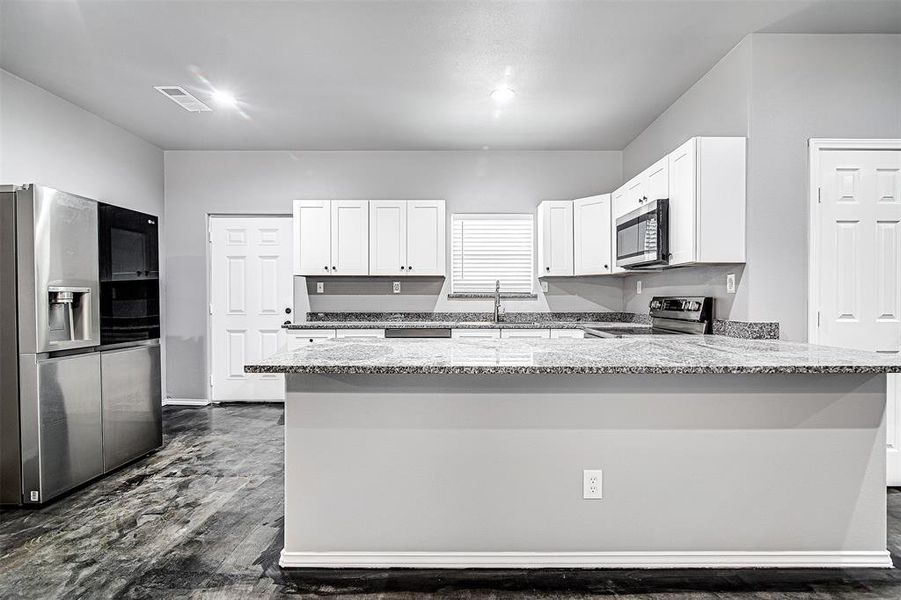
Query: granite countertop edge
573	370
312	325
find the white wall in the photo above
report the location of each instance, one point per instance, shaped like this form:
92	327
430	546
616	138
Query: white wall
801	87
47	140
50	141
200	183
805	86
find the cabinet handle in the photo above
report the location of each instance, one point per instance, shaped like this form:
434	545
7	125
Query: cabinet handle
401	267
606	267
409	268
288	310
547	268
334	268
325	267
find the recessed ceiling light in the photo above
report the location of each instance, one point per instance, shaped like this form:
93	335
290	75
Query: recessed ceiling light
502	94
224	98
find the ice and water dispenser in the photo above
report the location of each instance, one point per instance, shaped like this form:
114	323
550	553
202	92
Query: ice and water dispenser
69	316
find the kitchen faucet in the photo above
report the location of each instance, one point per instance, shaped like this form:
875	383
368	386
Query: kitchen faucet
497	301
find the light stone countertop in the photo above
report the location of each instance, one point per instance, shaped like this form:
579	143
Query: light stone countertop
643	354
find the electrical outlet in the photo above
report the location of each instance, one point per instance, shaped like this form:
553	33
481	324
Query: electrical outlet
592	484
638	286
544	286
395	287
730	283
320	287
35	496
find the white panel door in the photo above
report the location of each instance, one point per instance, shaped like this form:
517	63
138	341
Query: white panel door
426	237
387	237
312	235
251	288
591	235
555	237
350	237
683	165
859	262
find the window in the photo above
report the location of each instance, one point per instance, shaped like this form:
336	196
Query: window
486	248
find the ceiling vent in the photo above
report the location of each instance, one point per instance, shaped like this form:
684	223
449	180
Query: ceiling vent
181	97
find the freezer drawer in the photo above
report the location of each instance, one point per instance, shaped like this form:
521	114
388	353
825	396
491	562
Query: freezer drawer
60	420
132	404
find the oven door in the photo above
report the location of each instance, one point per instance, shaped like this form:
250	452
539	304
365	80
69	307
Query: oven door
642	236
129	276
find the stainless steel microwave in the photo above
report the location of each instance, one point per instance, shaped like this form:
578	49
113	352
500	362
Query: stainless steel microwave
642	236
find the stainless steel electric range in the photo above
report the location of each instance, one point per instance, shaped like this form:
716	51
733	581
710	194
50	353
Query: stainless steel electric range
670	315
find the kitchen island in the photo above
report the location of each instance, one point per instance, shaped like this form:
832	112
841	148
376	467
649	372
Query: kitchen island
714	452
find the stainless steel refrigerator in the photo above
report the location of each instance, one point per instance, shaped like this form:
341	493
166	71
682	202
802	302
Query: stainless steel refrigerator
53	414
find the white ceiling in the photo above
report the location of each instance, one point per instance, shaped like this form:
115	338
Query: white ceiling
389	75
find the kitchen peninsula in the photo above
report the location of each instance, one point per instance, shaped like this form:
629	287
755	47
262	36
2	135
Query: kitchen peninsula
714	451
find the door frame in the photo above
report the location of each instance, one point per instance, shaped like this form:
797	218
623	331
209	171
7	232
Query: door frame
815	146
893	394
208	346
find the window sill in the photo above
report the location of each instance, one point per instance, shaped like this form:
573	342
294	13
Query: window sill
490	295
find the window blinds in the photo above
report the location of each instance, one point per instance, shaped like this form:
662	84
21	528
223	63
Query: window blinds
490	247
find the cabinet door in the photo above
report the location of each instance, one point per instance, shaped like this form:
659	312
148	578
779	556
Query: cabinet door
572	334
555	237
656	180
312	237
476	333
298	338
350	237
542	334
619	203
635	193
343	334
426	233
682	203
591	235
387	237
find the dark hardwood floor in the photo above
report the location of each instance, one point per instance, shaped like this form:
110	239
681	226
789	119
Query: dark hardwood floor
203	518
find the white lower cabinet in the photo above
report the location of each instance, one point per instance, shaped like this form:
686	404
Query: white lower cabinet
359	333
574	334
476	333
302	337
541	334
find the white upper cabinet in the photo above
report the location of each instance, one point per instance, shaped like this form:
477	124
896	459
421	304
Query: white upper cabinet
591	235
426	238
350	237
331	237
656	180
707	201
555	238
407	237
387	237
704	179
312	237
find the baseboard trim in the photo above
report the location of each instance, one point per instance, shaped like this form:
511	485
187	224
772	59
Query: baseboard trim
587	560
185	402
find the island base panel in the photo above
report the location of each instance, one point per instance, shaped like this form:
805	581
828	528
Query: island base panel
486	471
